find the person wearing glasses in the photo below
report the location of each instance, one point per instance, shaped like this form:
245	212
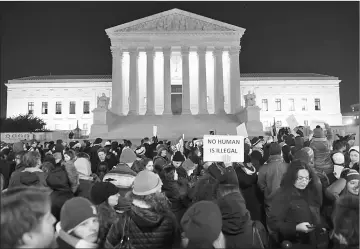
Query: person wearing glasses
295	209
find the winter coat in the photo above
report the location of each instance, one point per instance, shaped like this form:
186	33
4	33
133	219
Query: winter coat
146	229
237	223
322	159
28	177
270	176
111	160
290	207
161	161
94	158
86	183
250	191
72	174
58	181
5	170
177	195
122	176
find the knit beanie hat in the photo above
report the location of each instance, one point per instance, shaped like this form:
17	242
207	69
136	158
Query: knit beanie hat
18	147
146	183
354	148
59	148
352	175
318	133
338	158
302	156
83	166
188	165
127	156
71	144
178	157
275	149
101	191
202	222
98	141
74	212
255	141
140	151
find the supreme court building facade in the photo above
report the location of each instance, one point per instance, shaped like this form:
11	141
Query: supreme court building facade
181	72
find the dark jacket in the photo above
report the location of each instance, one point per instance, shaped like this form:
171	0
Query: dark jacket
147	229
6	171
270	176
58	181
27	177
237	223
94	158
289	208
177	195
250	191
86	183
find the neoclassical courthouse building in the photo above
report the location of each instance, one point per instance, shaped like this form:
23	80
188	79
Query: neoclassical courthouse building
172	70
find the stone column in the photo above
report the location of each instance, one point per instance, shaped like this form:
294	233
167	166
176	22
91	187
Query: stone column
167	81
134	82
218	81
201	51
185	80
235	96
117	83
150	91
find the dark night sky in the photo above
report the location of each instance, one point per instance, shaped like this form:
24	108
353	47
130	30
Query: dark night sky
69	37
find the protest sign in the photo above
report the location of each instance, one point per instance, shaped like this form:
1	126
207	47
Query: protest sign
154	130
241	130
218	148
292	122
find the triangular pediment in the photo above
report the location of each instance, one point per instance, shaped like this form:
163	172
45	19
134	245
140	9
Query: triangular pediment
174	20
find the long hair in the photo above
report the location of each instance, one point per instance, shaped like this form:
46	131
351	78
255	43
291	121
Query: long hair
103	169
158	202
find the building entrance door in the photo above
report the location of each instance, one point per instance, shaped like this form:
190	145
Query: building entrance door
176	104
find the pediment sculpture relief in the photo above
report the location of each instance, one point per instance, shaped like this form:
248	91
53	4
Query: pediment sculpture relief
175	22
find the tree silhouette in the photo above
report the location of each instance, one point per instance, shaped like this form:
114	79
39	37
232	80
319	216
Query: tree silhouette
22	123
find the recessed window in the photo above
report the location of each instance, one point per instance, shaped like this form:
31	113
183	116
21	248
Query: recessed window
58	107
85	126
278	104
317	105
306	122
30	108
44	108
72	107
86	107
304	104
264	103
291	105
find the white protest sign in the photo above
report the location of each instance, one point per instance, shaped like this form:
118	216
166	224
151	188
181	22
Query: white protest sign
154	130
292	122
218	148
241	130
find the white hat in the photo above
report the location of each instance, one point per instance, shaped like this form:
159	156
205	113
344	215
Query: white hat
107	143
83	166
356	148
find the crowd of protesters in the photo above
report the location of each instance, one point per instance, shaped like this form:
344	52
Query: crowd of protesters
291	191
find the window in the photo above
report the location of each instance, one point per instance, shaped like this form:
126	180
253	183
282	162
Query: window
317	105
72	107
264	105
306	122
304	104
278	104
291	105
86	108
44	108
31	108
85	126
58	107
70	126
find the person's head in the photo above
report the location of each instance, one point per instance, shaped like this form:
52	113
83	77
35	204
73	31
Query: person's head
202	224
79	218
168	173
128	156
146	140
352	182
354	154
339	146
19	157
256	158
32	159
149	164
275	149
101	154
82	155
58	157
102	170
298	175
346	220
47	167
26	219
104	192
147	189
178	159
127	143
69	155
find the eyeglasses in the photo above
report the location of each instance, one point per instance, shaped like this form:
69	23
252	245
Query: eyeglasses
300	178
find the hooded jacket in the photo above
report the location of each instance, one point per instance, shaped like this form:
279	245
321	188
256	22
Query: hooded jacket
147	229
72	174
322	159
237	223
28	177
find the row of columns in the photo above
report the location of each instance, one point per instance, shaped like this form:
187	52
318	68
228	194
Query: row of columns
117	83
